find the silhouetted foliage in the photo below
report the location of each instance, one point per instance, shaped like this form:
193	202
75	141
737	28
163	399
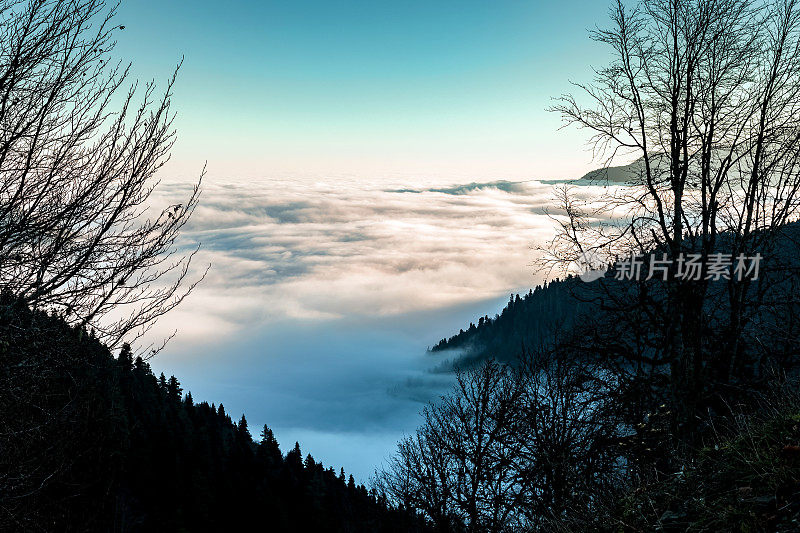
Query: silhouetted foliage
93	443
530	321
80	146
510	447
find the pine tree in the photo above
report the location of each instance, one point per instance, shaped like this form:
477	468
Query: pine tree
268	448
141	367
294	458
174	390
126	358
310	463
241	428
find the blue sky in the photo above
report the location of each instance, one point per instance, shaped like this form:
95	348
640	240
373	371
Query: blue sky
368	87
354	211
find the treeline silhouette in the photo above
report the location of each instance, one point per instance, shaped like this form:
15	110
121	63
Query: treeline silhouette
537	320
557	443
89	442
528	320
570	414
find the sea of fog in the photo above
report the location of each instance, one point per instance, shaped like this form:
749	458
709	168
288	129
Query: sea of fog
324	294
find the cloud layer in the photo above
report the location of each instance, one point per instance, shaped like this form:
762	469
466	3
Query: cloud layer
323	295
333	249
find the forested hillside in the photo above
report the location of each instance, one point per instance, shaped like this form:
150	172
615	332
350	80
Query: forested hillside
535	320
525	322
100	443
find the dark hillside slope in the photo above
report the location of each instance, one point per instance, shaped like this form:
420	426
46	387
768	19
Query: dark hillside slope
89	442
533	320
526	321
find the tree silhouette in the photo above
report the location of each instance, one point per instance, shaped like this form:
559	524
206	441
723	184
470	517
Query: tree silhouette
95	444
705	95
78	156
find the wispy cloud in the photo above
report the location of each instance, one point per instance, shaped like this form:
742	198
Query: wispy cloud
518	187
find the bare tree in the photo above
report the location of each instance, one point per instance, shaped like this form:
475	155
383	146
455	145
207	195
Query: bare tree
568	454
705	94
419	477
458	468
509	449
78	156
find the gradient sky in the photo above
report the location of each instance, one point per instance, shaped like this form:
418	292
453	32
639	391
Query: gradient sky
355	209
371	87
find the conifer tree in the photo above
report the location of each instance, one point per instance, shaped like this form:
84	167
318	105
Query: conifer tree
174	390
242	429
269	448
126	358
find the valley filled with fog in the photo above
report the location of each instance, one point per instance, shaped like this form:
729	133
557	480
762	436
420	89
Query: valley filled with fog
324	294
